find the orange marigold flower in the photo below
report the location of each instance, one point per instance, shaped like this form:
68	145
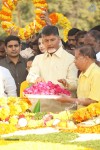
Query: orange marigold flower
54	18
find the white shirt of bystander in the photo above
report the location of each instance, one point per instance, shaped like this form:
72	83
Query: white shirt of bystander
27	53
98	56
7	83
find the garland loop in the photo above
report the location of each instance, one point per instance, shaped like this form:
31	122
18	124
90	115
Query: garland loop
33	27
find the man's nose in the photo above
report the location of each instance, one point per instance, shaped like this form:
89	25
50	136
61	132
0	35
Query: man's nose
13	47
49	42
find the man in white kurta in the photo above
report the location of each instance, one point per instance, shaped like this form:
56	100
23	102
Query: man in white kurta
54	64
52	68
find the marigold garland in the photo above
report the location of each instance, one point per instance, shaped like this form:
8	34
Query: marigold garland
60	19
31	28
86	113
93	129
37	24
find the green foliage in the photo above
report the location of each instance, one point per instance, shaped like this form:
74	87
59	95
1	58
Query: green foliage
83	14
39	115
37	107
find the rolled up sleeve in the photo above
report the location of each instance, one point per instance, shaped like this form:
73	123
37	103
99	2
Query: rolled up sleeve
33	72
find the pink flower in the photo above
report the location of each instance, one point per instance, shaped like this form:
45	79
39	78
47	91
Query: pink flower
48	88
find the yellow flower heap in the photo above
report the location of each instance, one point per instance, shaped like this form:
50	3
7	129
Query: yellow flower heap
12	106
33	27
9	108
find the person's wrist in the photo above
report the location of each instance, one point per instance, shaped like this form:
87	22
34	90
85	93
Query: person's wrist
81	101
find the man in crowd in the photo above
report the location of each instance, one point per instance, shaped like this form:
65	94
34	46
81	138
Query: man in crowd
71	43
55	63
2	49
93	38
89	79
80	37
13	61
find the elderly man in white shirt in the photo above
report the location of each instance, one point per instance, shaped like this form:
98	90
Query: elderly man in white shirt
54	64
7	83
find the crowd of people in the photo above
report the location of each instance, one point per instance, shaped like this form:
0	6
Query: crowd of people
74	64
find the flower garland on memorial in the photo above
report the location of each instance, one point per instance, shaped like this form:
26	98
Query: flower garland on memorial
86	113
37	24
13	116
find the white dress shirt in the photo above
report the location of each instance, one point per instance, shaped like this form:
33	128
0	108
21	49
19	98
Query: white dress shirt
7	83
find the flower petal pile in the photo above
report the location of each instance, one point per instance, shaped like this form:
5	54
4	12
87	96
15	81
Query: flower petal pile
48	88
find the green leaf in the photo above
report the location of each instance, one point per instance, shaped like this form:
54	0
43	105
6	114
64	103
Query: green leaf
37	107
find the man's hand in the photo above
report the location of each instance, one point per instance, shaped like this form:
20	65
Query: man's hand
64	82
39	79
13	32
45	17
63	98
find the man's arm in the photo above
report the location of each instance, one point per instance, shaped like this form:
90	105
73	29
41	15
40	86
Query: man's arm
34	72
9	84
71	78
81	101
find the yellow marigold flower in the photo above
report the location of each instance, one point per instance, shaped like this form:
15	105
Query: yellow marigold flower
39	1
24	106
3	101
4	112
10	4
15	109
6	128
13	120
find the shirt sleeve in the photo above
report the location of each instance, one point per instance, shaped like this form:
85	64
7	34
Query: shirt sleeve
9	84
72	77
1	87
34	72
27	53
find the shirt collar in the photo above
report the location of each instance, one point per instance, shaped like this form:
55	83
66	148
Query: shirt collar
58	53
9	60
88	71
